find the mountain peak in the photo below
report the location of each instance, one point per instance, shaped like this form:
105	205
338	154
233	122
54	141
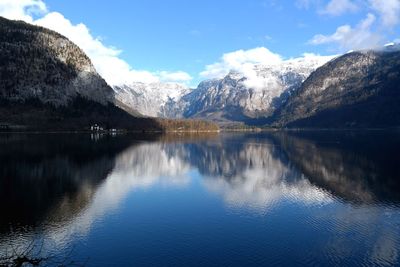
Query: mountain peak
239	96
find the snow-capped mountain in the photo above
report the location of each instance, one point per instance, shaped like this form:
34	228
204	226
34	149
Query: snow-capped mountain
238	96
254	94
154	99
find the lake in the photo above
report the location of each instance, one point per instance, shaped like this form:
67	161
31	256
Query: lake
328	198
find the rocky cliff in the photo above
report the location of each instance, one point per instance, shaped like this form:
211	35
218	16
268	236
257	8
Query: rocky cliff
359	89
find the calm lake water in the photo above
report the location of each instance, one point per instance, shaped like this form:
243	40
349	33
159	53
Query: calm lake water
285	199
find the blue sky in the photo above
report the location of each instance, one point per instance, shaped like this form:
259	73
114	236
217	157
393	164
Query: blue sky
186	34
176	35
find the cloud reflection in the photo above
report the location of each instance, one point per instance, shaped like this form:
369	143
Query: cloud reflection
262	179
72	191
139	167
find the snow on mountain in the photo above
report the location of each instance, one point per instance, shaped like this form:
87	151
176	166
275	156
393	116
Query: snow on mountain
151	99
254	92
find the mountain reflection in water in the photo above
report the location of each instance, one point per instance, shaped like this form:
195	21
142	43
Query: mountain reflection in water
59	187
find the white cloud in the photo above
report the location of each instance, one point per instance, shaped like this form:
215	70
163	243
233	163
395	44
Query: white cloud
372	32
22	9
241	61
244	62
105	58
349	38
389	11
339	7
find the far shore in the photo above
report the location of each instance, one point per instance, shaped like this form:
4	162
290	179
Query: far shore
222	130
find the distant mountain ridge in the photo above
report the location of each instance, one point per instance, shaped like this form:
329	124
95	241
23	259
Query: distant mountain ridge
154	99
360	89
232	98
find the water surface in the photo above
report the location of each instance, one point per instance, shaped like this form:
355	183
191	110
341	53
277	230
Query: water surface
294	199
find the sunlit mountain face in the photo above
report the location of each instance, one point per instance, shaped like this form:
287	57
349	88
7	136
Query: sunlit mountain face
239	193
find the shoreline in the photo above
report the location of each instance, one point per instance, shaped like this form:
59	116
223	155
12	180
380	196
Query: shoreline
199	131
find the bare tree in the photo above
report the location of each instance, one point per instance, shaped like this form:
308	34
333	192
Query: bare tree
32	255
